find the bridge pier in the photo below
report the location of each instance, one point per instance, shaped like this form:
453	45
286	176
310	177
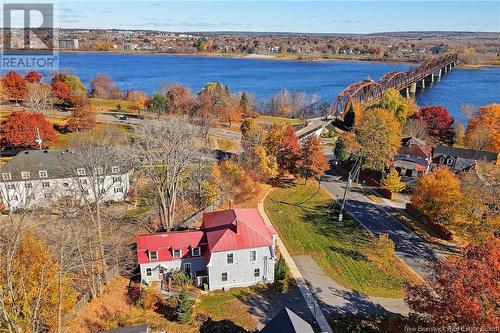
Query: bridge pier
422	83
413	87
437	74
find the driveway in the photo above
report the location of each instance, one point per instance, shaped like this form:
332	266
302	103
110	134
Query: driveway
335	299
414	251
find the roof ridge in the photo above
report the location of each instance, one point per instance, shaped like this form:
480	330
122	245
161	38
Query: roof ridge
255	230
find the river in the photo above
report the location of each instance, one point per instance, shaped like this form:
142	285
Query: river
265	77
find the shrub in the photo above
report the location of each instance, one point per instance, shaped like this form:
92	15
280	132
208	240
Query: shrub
384	246
181	279
281	271
149	297
184	307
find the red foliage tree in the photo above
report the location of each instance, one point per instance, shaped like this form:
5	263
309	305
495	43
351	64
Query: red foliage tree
439	123
313	162
33	77
62	92
82	118
289	154
463	292
19	130
14	86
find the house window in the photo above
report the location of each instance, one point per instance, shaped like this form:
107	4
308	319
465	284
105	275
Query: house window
419	158
25	175
99	171
196	252
118	190
449	161
441	160
230	258
177	253
115	169
85	181
253	255
43	174
117	179
149	272
86	192
256	272
80	172
224	277
28	185
11	186
6	176
45	184
47	195
65	184
153	255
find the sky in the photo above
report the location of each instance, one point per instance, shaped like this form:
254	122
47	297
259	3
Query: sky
283	16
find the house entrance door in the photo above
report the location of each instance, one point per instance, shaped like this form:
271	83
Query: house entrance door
187	268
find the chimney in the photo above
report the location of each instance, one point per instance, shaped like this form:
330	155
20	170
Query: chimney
238	227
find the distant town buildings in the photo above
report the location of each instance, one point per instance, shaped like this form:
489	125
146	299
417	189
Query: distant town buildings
68	43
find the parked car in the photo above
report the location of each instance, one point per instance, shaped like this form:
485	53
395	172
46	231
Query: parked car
122	117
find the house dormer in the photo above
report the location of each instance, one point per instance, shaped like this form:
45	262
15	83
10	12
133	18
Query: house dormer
176	253
153	255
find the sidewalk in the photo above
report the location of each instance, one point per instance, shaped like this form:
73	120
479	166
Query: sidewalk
297	276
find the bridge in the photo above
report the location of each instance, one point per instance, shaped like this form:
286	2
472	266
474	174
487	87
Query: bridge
369	92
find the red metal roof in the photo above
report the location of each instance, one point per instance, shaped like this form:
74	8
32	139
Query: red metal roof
164	243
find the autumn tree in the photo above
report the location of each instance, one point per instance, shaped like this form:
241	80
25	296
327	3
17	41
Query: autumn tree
103	86
398	105
39	97
437	196
235	183
167	147
462	293
29	284
159	103
180	99
288	156
312	162
460	135
483	130
379	137
69	89
251	134
416	128
14	86
21	128
82	118
138	100
274	138
439	123
346	146
33	77
246	104
393	182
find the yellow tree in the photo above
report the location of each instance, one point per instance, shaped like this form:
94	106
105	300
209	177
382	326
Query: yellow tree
438	197
29	285
393	182
398	105
379	137
483	130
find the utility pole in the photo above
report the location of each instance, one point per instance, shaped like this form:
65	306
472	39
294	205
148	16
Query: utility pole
353	174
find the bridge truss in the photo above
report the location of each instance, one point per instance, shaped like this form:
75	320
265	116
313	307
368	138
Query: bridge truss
368	92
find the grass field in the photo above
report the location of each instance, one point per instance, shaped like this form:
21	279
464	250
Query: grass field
277	120
304	217
225	144
110	105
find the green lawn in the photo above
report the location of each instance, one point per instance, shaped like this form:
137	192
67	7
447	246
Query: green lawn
225	144
304	217
110	104
277	120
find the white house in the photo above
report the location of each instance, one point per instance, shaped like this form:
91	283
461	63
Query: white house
233	248
37	178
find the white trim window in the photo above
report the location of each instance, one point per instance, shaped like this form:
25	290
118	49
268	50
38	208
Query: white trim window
153	255
25	175
6	176
43	174
224	277
118	190
99	171
28	185
256	272
449	161
10	186
196	252
117	179
149	272
230	258
80	172
253	255
176	253
45	184
115	169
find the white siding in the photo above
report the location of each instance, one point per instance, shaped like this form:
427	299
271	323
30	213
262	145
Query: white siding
241	272
197	264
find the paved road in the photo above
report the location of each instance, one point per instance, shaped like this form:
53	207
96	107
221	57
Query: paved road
410	248
335	299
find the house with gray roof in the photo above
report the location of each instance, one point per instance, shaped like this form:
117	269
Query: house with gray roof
460	159
286	321
38	178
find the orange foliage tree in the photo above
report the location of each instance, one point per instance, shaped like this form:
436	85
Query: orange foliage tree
33	77
313	162
437	196
463	294
82	118
14	86
483	130
289	154
138	99
19	130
